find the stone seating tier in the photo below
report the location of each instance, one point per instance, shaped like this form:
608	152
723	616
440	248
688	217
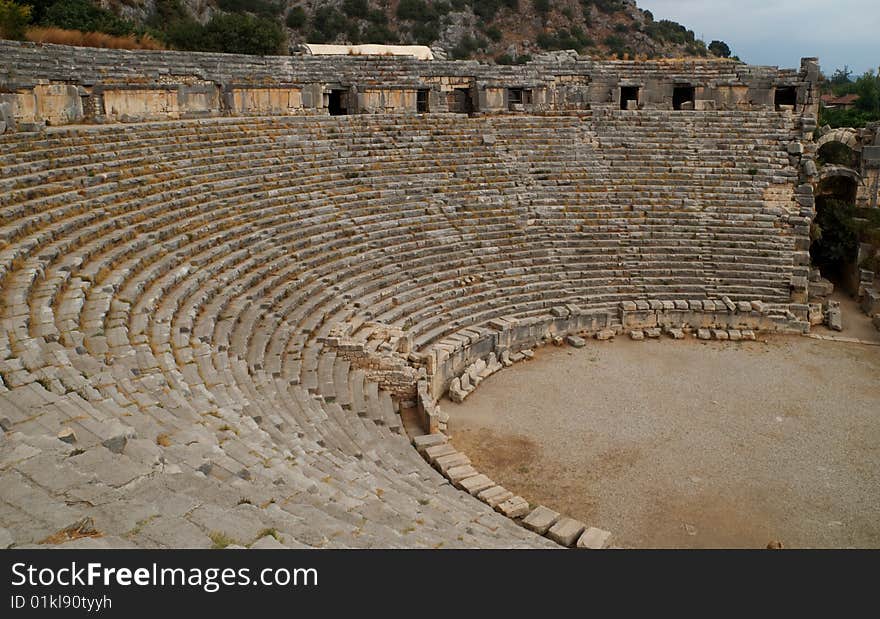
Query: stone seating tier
206	327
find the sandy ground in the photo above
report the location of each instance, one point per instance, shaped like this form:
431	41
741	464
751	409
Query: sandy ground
691	444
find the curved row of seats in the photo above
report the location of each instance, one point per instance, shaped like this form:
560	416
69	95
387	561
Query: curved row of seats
165	289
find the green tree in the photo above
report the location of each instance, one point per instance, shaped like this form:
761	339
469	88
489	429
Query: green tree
416	10
835	234
841	76
868	90
244	34
14	19
230	33
866	108
328	23
720	49
84	16
38	8
296	18
263	8
356	8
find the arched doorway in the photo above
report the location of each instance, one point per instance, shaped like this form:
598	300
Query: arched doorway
837	153
835	240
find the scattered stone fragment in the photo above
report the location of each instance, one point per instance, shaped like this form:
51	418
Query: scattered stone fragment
653	332
528	354
637	335
735	335
575	341
594	539
749	335
456	393
115	444
834	316
67	435
675	333
492	365
720	334
704	334
605	334
505	358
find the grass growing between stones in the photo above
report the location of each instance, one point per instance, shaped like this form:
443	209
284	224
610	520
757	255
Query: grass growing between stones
220	540
271	532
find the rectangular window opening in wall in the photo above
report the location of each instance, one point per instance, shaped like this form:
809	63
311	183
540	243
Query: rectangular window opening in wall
336	103
683	98
459	101
785	95
517	97
627	94
422	101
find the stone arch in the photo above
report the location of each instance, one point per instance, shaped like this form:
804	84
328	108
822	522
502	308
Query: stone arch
828	171
832	178
845	135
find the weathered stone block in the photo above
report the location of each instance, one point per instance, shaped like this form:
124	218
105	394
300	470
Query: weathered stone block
429	440
594	539
540	519
514	507
494	496
476	484
566	531
834	318
458	473
575	341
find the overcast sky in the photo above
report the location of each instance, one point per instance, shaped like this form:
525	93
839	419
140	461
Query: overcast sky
781	32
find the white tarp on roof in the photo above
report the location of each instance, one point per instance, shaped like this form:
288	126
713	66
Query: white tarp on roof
421	52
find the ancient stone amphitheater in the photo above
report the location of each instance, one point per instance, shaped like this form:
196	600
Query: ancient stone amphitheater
225	282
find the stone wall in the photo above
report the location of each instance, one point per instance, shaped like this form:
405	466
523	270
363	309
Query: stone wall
450	357
54	85
869	188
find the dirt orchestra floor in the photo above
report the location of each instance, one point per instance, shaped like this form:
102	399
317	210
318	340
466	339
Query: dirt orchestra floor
690	444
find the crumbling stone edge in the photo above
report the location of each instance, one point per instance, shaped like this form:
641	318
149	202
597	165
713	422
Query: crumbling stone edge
457	468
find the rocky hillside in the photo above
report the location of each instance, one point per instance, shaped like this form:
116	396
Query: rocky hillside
507	31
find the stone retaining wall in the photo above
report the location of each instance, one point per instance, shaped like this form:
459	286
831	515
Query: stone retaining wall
449	358
54	84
